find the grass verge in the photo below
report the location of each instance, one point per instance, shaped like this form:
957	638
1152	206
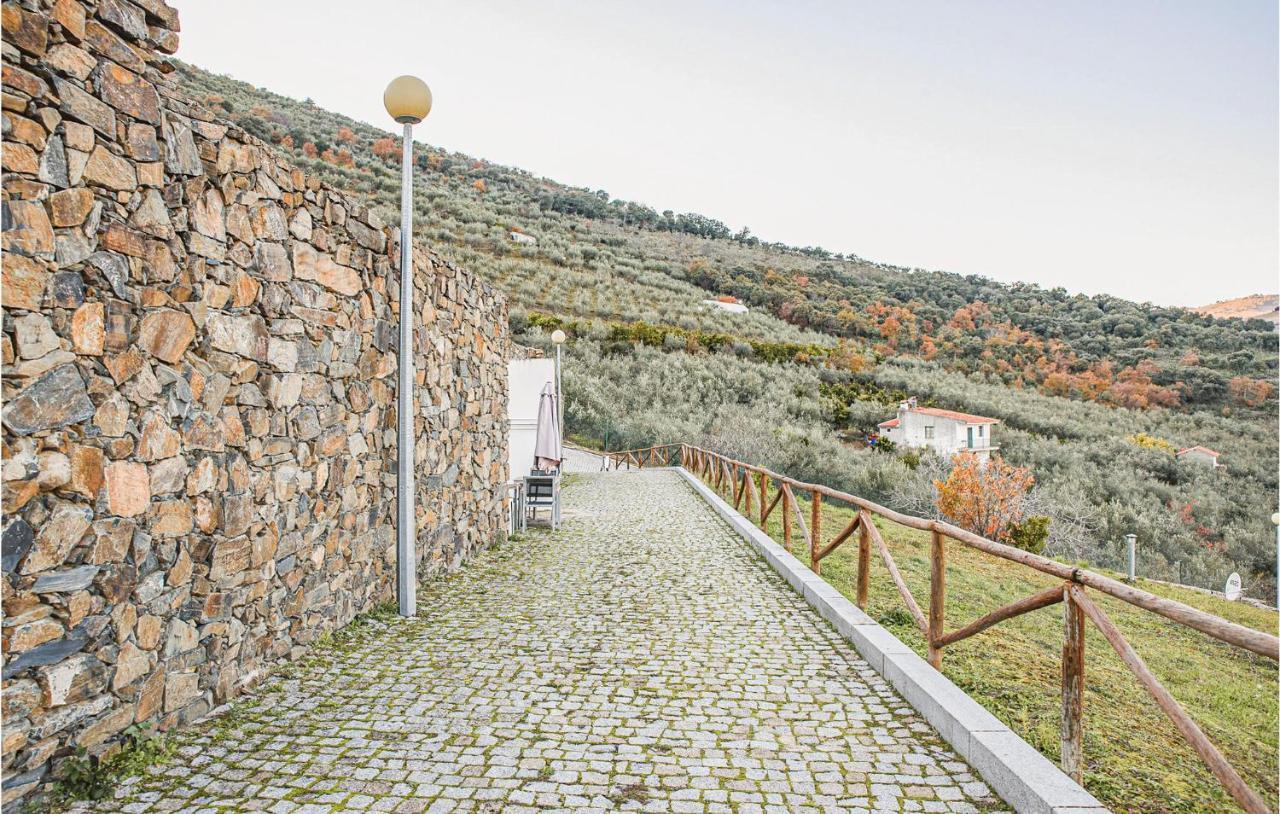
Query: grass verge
1136	761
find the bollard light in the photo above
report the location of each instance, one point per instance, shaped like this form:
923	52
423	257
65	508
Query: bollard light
1275	518
408	100
1132	541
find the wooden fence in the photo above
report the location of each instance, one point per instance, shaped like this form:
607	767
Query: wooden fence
749	488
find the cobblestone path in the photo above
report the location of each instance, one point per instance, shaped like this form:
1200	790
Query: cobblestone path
641	659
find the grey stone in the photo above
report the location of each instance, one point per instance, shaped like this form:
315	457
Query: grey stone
450	476
53	164
47	653
68	581
366	236
56	399
71	246
15	543
85	108
68	289
180	154
115	268
245	335
1026	778
125	17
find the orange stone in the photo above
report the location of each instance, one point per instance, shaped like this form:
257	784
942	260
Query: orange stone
172	518
89	329
157	439
24	282
128	488
124	366
149	629
86	470
70	15
70	207
151	696
166	334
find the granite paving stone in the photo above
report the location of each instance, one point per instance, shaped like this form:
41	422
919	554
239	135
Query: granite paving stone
642	658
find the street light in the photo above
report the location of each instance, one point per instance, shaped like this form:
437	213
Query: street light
1275	518
408	100
558	337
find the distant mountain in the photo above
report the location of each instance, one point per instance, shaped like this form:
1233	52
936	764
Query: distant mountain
1254	306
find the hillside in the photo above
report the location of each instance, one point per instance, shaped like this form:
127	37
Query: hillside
1255	306
1095	393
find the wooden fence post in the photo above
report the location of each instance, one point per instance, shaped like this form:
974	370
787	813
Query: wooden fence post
764	500
1073	689
747	490
864	560
937	596
786	517
815	532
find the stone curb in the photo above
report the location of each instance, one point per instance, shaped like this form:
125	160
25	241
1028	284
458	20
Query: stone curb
1023	777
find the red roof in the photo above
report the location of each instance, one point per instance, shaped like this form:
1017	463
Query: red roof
1205	450
951	414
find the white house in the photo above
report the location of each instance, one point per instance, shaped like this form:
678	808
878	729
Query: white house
522	238
944	431
1200	455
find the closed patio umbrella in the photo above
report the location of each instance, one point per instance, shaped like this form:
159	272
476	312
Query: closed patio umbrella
546	452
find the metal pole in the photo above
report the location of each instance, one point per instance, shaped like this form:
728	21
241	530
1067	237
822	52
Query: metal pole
1275	518
1132	540
559	400
406	565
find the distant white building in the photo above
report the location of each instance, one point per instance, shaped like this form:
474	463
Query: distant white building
1200	455
944	431
734	307
522	238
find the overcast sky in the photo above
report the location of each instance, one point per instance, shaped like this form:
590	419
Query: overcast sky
1123	147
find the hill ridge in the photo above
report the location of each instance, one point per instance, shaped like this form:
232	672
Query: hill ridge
1093	390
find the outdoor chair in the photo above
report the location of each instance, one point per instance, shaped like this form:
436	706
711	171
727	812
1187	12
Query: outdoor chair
542	491
516	522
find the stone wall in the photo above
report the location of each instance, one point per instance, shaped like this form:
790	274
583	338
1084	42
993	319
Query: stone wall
199	383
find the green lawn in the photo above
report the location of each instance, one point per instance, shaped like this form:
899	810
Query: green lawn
1135	758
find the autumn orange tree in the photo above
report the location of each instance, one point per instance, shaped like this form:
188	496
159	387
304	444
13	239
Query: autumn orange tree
1249	392
387	149
985	499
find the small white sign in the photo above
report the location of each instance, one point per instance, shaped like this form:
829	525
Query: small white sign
1232	590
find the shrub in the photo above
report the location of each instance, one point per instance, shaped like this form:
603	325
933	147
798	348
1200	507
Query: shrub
1031	534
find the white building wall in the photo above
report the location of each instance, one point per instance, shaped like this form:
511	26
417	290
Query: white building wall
525	380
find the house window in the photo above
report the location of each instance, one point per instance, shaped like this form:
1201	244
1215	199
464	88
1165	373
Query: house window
980	430
928	433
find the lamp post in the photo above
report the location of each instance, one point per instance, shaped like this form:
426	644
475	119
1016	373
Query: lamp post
558	337
1275	519
408	100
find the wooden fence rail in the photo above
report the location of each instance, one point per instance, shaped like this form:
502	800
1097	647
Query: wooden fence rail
747	485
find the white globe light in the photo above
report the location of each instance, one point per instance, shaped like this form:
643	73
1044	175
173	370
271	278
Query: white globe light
558	336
